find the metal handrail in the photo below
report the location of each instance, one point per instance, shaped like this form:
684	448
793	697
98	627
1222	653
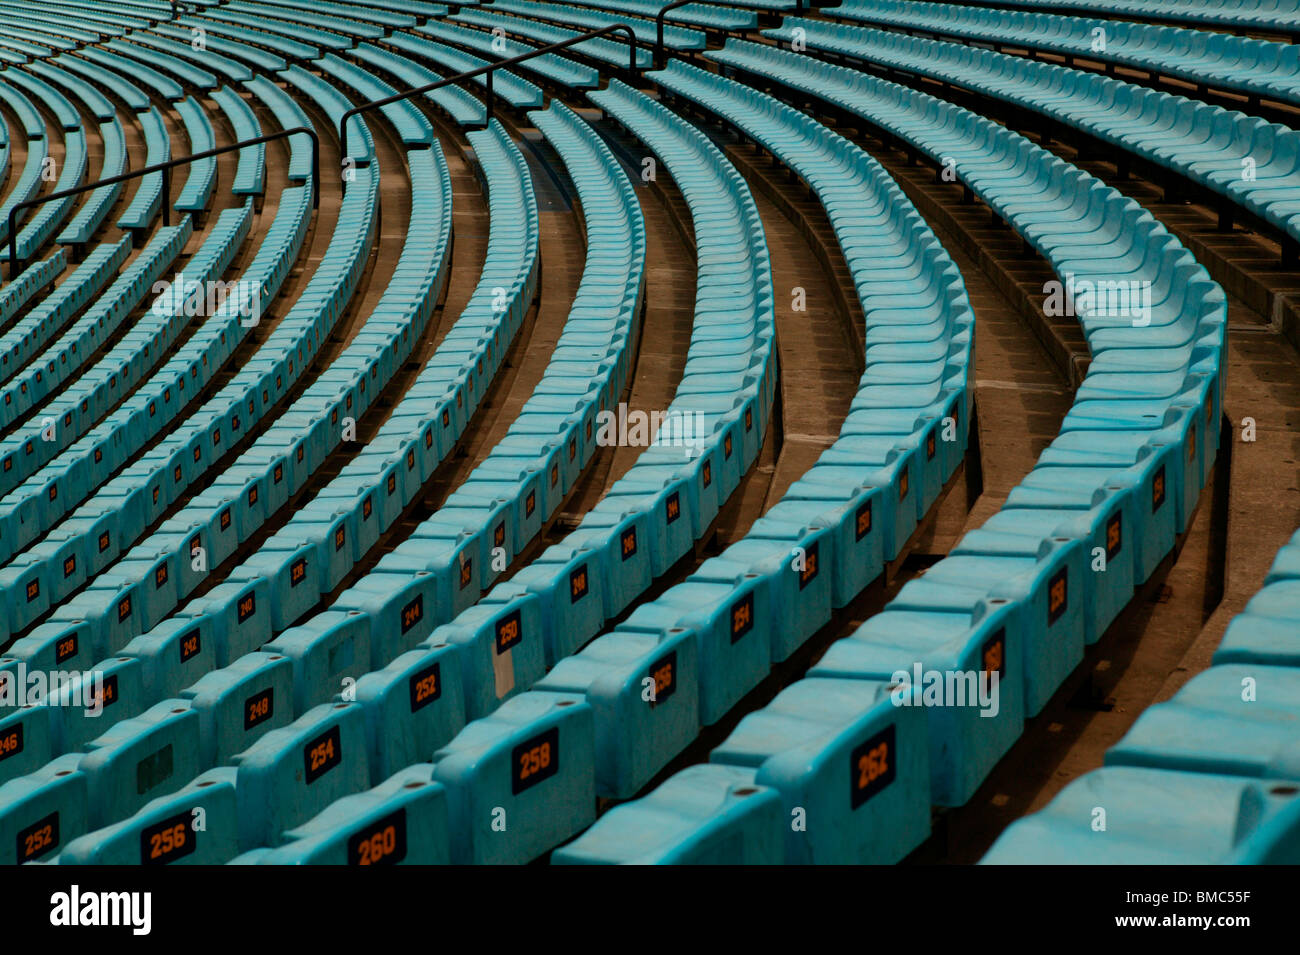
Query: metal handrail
489	69
165	168
659	30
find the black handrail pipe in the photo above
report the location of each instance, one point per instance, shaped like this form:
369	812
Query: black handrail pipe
489	69
659	30
165	168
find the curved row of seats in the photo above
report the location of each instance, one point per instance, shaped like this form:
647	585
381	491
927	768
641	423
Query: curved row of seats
304	22
677	37
154	332
46	83
77	232
1264	15
1258	67
21	289
96	530
288	115
714	16
92	390
45	219
250	174
29	336
99	65
83	638
65	358
1252	163
147	201
311	337
230	70
230	510
99	530
28	181
27	512
96	207
196	194
389	19
235	55
135	99
461	105
134	424
373	489
155	81
483	663
273	469
311	647
518	92
175	68
17	48
403	116
150	662
1209	777
280	385
566	444
232	39
549	66
1017	599
606	679
97	18
835	528
610	52
67	480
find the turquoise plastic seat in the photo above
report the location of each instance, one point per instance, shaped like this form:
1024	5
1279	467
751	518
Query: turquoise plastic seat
643	691
43	811
138	759
704	815
1157	817
520	780
196	825
412	707
295	771
401	821
845	758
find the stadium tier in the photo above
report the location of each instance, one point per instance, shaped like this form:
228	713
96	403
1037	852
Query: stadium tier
749	432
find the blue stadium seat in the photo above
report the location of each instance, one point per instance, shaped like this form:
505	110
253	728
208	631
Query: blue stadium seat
643	692
196	825
979	651
43	811
1253	66
26	733
295	771
401	821
241	703
521	780
413	706
851	763
1123	815
1157	126
1230	720
704	815
140	758
325	651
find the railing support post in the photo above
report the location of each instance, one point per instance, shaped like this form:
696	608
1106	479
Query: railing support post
659	30
167	196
